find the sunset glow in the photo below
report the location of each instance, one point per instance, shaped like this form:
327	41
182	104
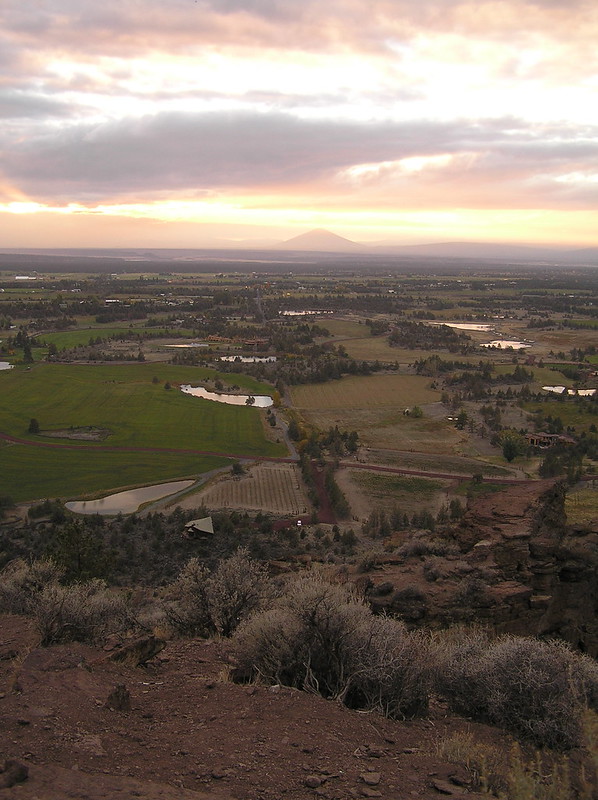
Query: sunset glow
181	123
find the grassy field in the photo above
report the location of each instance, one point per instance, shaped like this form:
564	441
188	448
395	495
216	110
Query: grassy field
381	427
137	411
398	391
569	412
32	473
409	494
581	505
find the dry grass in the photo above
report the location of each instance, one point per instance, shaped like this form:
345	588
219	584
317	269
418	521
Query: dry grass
394	391
407	493
581	505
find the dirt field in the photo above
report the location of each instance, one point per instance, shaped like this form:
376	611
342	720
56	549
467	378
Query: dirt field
273	488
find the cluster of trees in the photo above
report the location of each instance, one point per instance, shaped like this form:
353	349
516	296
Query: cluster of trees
436	365
418	336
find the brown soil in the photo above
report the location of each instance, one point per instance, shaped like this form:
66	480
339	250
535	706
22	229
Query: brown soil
190	733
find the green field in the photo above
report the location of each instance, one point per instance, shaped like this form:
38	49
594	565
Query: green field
568	410
137	412
34	473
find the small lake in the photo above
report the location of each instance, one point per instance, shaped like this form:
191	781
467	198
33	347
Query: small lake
191	344
127	502
572	392
261	400
5	365
249	359
466	326
303	313
504	344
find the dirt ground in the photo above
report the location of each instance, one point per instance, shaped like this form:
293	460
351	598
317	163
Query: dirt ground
191	733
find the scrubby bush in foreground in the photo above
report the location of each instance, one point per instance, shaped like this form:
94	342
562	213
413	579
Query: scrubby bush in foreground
22	582
536	690
321	637
201	603
79	612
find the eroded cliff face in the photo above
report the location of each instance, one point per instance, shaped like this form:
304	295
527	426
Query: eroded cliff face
513	563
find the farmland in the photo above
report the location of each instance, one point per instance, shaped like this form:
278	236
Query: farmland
132	405
372	491
30	473
356	392
272	488
94	394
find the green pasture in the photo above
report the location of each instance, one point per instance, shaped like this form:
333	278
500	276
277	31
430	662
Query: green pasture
345	329
568	410
543	376
79	336
138	412
34	473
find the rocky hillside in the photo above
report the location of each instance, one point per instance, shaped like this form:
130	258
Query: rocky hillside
512	563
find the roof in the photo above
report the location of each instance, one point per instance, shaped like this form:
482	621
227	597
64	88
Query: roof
203	525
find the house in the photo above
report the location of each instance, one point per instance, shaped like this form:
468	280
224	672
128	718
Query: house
547	439
197	528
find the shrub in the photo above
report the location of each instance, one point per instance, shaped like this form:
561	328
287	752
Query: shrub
201	603
21	583
536	690
323	638
81	612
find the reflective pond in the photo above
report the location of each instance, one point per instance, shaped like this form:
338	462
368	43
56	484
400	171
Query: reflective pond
249	359
260	400
572	392
503	344
129	501
5	365
466	326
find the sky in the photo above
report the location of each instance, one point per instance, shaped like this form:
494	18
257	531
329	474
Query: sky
192	123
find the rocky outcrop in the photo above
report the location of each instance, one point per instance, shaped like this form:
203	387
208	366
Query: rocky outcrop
512	563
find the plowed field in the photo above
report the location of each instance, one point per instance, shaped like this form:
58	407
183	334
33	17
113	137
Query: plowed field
274	488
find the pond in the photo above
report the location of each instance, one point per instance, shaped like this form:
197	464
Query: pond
249	359
503	344
303	313
127	502
572	392
191	344
261	400
466	326
5	365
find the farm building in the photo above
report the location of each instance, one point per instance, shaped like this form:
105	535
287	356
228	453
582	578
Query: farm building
197	528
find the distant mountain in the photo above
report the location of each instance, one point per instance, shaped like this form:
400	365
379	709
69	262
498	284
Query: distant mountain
322	241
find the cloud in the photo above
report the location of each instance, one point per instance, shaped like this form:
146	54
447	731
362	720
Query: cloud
21	104
221	153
